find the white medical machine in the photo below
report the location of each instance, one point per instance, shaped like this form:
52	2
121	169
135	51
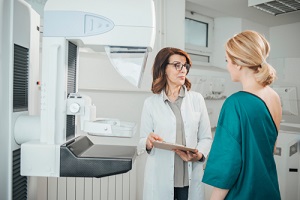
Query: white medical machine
125	30
287	158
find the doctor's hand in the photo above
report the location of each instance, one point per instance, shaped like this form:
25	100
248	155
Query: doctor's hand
150	139
189	156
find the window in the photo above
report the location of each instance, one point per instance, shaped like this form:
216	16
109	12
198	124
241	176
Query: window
198	36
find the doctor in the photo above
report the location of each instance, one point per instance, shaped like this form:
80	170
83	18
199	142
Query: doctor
177	115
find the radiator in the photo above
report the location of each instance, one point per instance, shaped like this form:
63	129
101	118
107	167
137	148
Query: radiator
117	187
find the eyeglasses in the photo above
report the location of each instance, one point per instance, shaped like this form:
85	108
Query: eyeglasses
178	66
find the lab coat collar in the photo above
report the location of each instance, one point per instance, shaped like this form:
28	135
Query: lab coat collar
181	93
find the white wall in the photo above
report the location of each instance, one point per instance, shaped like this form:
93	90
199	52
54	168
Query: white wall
224	28
285	41
285	58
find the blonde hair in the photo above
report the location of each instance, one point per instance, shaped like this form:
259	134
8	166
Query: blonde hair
251	49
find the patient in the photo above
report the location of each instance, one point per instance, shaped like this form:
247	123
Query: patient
241	163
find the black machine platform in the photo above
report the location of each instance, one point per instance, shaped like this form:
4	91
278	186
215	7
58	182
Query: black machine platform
81	158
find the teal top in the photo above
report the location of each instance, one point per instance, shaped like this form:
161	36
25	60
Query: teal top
241	158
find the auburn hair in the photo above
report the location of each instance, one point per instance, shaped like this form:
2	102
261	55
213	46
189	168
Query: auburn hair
159	68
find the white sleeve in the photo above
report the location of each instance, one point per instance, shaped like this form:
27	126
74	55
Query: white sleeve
146	127
204	130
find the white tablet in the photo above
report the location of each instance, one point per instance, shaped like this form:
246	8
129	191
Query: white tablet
170	146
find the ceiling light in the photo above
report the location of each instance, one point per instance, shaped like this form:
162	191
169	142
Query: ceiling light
275	7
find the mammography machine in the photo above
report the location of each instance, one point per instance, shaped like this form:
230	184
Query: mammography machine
49	144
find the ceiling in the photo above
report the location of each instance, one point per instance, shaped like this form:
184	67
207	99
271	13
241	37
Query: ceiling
240	9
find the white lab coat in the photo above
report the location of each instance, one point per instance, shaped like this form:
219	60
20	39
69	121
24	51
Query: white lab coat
158	117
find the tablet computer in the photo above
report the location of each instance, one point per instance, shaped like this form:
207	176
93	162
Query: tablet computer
170	146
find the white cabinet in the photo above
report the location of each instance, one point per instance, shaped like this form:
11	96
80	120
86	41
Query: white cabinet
287	163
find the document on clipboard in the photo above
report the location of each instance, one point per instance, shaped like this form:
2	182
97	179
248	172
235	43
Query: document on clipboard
171	147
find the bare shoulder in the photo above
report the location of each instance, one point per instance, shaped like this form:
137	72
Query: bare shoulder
273	102
273	95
